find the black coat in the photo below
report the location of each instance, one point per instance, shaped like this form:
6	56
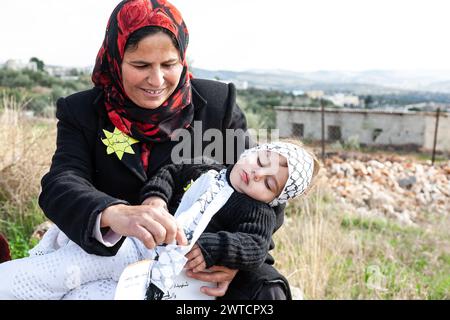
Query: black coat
84	180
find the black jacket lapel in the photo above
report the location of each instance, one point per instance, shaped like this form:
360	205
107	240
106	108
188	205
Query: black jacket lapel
134	163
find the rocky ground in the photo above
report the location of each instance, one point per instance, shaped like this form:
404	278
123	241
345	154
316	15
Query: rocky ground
390	186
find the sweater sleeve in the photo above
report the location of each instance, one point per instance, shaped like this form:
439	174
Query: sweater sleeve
68	196
171	179
164	183
243	246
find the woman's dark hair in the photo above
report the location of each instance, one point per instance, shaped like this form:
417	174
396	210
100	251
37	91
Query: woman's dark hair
138	35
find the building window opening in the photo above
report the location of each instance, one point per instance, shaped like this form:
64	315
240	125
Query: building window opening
376	133
298	130
334	133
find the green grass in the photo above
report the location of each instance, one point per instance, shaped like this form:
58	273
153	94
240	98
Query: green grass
18	238
404	258
439	158
378	226
18	224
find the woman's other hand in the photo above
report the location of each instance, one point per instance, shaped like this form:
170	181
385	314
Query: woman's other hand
222	275
150	222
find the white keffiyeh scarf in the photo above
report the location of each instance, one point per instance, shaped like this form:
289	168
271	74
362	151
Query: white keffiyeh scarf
300	166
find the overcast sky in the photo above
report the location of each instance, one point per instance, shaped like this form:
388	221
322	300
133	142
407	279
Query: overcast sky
297	35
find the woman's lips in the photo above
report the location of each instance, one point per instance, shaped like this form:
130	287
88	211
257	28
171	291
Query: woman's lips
152	93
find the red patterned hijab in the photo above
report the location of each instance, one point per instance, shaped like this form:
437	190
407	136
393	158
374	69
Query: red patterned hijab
145	125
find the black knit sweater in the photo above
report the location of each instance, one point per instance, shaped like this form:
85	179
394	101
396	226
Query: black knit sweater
239	234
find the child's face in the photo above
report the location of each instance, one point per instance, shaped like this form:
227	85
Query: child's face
261	175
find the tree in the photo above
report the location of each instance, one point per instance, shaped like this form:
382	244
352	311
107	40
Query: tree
368	101
74	72
40	64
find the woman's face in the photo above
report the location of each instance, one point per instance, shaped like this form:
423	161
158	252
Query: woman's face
151	71
261	175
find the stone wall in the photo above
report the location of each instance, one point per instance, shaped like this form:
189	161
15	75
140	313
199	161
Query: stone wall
366	127
443	137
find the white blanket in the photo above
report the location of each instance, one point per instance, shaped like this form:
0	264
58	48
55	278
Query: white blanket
59	269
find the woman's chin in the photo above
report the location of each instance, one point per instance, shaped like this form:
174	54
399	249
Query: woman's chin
151	104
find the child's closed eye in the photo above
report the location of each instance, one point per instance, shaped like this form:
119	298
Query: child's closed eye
266	182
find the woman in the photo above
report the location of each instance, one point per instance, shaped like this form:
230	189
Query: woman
113	138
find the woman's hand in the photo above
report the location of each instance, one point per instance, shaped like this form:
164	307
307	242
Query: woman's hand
196	261
222	275
150	222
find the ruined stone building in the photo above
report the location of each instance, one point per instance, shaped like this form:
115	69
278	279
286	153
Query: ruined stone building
368	127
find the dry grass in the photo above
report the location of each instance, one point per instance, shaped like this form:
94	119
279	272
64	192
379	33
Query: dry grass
25	152
306	246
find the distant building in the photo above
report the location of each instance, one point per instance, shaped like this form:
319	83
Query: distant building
370	127
316	94
57	71
240	85
17	65
343	100
67	73
298	92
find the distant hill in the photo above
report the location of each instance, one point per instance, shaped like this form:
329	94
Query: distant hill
361	83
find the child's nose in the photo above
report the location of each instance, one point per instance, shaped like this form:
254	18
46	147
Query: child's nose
257	174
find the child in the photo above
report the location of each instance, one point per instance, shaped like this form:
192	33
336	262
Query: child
235	202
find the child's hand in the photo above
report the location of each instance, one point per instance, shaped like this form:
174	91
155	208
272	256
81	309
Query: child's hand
196	261
155	201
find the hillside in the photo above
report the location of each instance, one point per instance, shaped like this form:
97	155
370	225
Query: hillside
412	87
